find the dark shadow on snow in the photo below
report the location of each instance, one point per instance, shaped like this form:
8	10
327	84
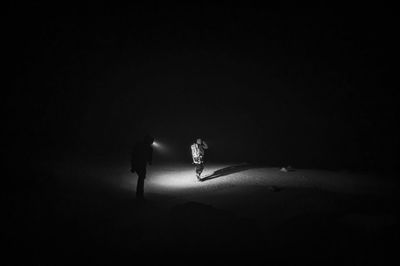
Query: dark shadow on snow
229	170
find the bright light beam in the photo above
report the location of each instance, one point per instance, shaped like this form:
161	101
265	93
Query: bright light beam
161	148
156	145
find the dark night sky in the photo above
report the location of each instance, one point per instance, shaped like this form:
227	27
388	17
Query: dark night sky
305	86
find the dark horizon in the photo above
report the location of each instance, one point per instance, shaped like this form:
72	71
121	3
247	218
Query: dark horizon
307	87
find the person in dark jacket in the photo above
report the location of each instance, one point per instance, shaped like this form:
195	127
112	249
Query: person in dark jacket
142	154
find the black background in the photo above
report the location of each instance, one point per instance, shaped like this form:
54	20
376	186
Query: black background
307	86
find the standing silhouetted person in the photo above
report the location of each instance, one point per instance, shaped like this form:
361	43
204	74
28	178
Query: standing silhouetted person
198	156
142	153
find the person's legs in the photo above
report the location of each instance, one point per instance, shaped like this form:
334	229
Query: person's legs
140	183
199	170
196	169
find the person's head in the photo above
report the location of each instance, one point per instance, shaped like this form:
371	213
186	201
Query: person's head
148	139
199	141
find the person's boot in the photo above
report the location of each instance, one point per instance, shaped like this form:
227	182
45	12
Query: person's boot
198	176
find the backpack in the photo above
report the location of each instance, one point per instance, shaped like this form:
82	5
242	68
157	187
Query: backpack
195	153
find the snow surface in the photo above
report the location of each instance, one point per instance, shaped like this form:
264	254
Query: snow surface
242	212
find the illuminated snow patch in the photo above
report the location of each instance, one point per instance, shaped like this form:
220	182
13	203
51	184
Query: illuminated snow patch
184	178
179	178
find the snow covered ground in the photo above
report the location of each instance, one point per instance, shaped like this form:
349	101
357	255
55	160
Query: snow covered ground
239	212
